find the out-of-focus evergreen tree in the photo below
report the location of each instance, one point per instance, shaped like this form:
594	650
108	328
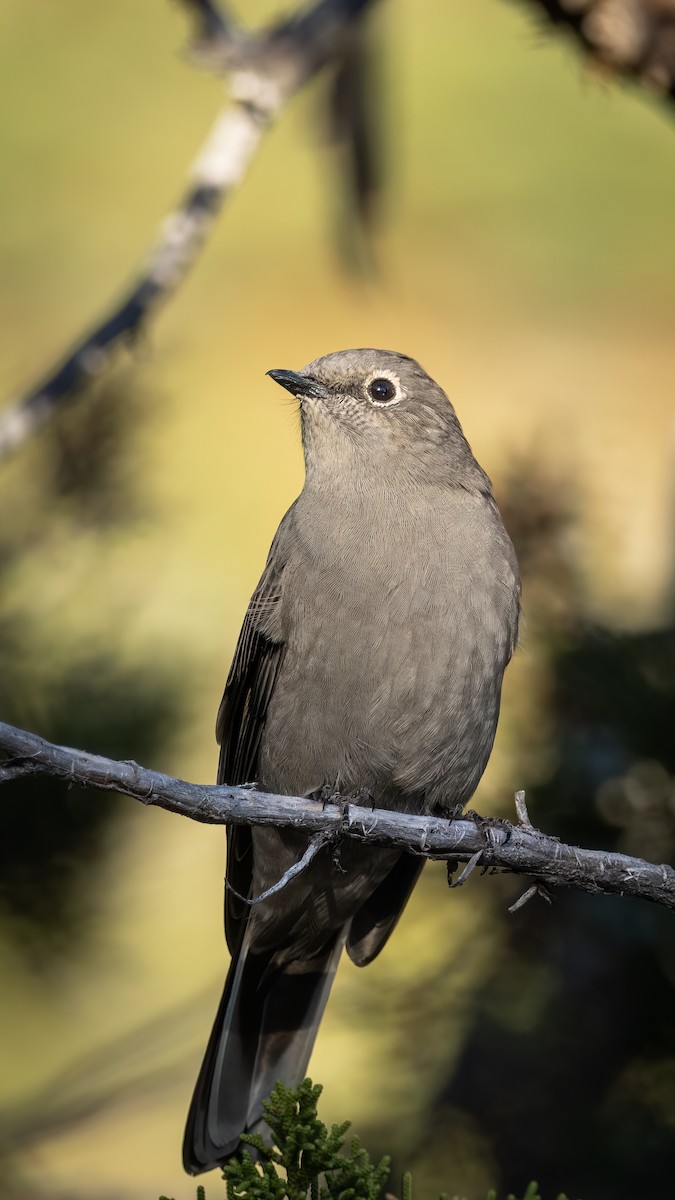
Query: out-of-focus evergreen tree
52	836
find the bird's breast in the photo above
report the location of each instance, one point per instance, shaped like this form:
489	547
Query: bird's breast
396	641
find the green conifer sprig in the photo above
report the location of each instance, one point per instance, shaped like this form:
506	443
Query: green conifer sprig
306	1161
309	1155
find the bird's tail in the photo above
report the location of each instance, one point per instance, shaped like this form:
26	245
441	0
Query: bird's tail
264	1030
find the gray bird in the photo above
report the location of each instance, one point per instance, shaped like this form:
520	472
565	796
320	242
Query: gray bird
370	660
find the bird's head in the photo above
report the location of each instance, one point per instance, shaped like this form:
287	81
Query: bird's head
381	407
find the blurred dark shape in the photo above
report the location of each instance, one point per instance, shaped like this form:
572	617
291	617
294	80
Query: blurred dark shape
613	702
52	835
566	1072
87	452
633	38
642	804
553	1094
355	120
213	21
540	503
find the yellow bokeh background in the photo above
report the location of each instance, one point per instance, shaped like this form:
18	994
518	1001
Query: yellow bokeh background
526	257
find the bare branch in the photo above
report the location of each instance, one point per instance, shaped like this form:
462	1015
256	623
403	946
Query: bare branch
521	810
520	849
475	861
212	20
265	72
535	889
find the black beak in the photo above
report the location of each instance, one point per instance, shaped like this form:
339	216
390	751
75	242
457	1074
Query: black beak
299	385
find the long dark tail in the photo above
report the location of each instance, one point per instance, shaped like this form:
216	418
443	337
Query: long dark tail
264	1031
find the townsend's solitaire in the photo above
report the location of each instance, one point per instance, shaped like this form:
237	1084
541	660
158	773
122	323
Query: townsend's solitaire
370	661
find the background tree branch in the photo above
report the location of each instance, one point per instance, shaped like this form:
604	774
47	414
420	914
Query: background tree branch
630	38
265	70
520	849
634	38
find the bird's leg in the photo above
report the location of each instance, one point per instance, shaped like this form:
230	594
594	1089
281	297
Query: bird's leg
330	794
361	796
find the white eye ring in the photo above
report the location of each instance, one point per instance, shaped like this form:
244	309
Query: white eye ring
383	389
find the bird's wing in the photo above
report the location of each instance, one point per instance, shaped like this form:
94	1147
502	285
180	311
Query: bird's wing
375	919
242	714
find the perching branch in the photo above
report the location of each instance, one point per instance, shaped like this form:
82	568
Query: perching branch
521	848
265	70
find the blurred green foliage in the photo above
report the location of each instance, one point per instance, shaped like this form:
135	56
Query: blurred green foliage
52	834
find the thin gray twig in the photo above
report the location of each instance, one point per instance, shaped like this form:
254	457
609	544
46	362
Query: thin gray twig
316	843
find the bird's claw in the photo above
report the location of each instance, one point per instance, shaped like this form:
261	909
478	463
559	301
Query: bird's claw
325	795
487	827
362	796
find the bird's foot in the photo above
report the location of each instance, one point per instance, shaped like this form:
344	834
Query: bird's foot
331	794
487	827
362	796
327	794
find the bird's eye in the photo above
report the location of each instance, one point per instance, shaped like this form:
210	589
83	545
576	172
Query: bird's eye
382	391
